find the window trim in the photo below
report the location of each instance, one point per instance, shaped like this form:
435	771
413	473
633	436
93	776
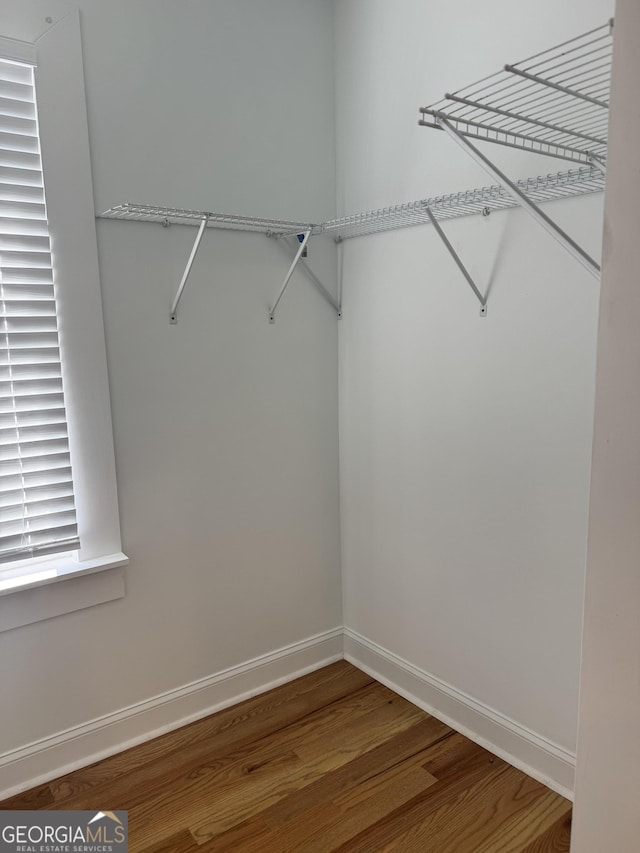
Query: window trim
49	570
62	117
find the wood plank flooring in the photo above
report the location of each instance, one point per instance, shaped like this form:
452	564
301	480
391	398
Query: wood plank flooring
333	761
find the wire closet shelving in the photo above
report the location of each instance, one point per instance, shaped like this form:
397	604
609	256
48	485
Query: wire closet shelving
553	103
483	200
182	216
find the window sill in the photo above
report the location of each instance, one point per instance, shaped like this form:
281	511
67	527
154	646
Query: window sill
37	593
43	573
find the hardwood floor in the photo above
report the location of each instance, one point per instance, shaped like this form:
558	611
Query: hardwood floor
332	761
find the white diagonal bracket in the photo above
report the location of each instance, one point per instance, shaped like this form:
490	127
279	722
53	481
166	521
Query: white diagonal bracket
531	207
322	290
294	264
438	228
173	317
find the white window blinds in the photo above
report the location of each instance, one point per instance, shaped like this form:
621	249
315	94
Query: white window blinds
37	510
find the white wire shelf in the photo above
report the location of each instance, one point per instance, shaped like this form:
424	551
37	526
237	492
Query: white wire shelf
484	200
180	216
553	103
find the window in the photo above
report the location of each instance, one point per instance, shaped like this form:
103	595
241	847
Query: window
37	507
73	506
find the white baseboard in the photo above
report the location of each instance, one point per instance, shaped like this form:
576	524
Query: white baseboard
46	759
539	758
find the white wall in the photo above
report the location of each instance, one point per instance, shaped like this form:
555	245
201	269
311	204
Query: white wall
465	442
225	427
608	768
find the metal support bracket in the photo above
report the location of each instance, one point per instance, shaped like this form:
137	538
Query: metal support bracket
598	164
531	207
322	290
294	264
481	299
173	317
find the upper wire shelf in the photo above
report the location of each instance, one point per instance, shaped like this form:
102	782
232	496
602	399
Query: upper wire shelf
553	103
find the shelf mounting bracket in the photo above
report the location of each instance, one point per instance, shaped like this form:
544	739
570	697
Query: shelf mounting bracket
322	290
598	164
438	228
294	264
531	207
173	317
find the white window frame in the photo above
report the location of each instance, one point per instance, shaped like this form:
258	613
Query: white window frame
32	590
